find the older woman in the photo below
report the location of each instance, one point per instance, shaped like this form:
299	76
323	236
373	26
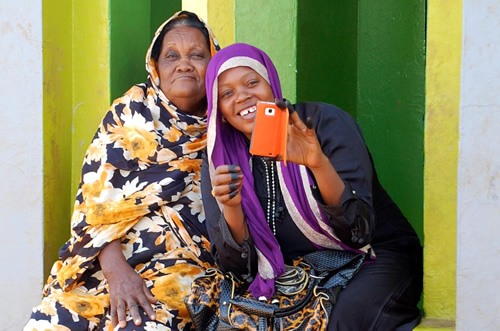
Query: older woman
262	213
138	233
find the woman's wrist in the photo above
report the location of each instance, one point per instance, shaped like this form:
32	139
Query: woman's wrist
111	259
330	185
236	223
323	163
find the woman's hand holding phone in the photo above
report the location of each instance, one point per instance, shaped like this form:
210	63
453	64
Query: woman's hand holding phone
279	133
302	143
303	147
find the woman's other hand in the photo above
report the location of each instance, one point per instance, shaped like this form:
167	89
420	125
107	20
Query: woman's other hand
127	290
226	185
227	181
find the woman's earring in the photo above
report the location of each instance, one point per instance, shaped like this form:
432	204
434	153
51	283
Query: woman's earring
224	120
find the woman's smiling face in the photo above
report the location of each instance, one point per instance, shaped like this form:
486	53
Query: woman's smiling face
240	89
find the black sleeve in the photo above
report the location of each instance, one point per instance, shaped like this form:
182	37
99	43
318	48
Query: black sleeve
228	254
342	142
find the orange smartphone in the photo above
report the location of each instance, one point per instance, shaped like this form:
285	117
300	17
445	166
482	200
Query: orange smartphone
269	133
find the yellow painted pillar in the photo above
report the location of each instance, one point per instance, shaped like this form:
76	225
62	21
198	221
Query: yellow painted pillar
221	20
76	94
218	14
57	117
91	86
444	48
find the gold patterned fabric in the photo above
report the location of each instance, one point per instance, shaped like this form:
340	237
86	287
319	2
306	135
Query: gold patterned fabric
140	184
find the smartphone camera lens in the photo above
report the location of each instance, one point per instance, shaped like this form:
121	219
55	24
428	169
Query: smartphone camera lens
269	111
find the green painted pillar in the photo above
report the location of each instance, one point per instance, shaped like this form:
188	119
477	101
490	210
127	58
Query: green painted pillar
391	96
327	45
365	57
132	26
368	59
271	26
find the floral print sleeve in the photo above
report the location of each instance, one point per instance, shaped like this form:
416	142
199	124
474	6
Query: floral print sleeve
137	162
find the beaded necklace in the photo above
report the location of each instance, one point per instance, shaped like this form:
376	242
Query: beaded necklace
269	167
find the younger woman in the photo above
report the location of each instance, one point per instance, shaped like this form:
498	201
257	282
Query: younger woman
262	213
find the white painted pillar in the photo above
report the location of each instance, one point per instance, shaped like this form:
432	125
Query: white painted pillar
21	169
478	242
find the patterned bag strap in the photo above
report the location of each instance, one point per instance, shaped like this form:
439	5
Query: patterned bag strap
331	260
267	310
227	295
339	267
314	280
227	290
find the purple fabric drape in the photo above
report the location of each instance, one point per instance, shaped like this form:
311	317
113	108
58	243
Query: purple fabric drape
226	145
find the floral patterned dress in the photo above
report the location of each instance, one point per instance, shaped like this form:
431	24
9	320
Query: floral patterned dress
140	184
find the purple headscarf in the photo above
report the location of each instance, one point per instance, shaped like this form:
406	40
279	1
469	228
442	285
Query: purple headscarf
226	145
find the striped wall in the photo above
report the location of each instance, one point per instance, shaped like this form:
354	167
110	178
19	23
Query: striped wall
87	61
367	59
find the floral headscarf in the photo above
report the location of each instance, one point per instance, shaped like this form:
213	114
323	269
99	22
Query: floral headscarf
150	62
226	145
142	165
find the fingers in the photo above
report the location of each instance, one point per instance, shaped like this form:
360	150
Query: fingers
147	302
134	312
289	106
119	312
309	123
297	122
144	301
294	117
230	190
121	315
226	174
280	103
232	194
284	104
113	313
227	181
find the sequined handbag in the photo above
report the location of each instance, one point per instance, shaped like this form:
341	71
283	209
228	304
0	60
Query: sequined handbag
305	296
